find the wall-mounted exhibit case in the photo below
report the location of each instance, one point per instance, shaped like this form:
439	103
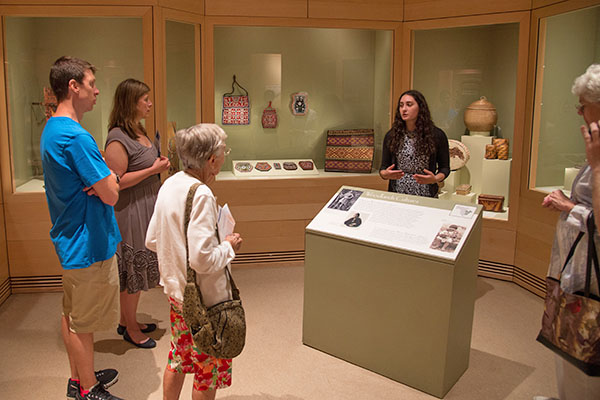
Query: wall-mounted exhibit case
455	68
567	44
342	77
409	315
32	44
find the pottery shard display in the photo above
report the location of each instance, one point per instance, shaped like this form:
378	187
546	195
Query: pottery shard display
480	116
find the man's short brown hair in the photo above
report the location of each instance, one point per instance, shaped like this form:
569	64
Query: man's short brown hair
65	69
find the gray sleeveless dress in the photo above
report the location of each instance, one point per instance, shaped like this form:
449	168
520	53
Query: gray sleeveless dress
138	266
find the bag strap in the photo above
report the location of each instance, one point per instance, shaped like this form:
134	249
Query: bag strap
191	274
592	257
233	85
571	252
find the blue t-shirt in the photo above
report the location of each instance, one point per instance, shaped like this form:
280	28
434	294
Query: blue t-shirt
84	229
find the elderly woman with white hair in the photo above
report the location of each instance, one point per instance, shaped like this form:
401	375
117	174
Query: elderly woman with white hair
201	149
573	383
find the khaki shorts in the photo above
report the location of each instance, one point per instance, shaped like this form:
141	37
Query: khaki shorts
91	296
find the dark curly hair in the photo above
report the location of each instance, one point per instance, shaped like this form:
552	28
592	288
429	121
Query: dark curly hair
425	144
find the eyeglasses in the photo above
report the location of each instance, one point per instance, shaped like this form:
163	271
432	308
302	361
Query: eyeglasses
580	108
227	151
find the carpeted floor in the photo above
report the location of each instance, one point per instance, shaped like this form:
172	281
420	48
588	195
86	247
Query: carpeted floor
506	362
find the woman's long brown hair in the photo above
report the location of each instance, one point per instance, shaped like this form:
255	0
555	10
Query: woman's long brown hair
124	108
424	128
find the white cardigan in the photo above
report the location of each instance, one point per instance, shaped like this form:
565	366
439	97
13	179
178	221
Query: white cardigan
165	236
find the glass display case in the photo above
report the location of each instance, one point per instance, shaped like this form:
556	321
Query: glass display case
32	44
472	69
312	79
567	44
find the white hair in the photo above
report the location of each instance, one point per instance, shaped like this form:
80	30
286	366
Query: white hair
196	144
588	84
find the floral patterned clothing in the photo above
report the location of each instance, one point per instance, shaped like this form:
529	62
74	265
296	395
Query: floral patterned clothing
185	358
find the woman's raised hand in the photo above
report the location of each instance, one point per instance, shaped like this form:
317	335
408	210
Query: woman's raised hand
427	177
391	173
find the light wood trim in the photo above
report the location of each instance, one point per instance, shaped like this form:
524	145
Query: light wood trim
160	80
148	49
198	69
182	16
84	2
300	23
544	3
5	146
252	8
498	245
383	10
537	105
195	6
429	9
74	11
563	7
208	71
473	20
399	67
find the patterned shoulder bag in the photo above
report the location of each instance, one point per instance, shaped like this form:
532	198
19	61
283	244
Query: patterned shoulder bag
219	330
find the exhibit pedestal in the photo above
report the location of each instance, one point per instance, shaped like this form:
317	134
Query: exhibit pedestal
401	314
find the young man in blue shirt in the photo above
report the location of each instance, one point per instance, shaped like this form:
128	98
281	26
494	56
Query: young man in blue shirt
81	192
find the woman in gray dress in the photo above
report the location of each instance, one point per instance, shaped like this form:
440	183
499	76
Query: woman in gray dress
137	162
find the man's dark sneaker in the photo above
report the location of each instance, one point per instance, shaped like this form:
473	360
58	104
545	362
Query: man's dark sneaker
97	393
107	377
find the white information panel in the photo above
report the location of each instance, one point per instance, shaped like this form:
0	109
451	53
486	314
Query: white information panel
397	220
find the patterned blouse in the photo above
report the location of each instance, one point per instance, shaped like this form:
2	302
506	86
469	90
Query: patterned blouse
567	228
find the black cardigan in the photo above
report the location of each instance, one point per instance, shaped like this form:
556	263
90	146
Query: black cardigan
438	162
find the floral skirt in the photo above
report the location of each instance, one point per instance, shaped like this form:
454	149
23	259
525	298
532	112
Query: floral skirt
209	372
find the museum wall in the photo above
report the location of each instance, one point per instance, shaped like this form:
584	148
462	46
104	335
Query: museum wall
268	212
180	73
337	68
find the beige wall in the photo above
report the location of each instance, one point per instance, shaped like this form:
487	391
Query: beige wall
181	88
337	68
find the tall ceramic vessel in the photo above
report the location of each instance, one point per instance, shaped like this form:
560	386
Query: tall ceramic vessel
481	117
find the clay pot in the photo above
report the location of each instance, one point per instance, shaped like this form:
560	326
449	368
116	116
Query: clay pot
480	116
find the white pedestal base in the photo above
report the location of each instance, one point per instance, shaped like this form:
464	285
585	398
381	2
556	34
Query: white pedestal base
496	178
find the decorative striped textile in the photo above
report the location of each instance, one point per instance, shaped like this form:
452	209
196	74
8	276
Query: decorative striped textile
349	150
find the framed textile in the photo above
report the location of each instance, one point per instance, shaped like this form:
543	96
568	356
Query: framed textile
349	150
236	107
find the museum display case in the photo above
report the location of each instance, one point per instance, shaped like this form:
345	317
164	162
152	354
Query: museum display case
279	90
468	74
567	44
31	45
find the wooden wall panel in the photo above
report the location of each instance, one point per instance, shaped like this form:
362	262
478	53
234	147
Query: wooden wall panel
271	214
251	8
498	245
534	237
195	6
544	3
380	10
4	270
30	251
428	9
